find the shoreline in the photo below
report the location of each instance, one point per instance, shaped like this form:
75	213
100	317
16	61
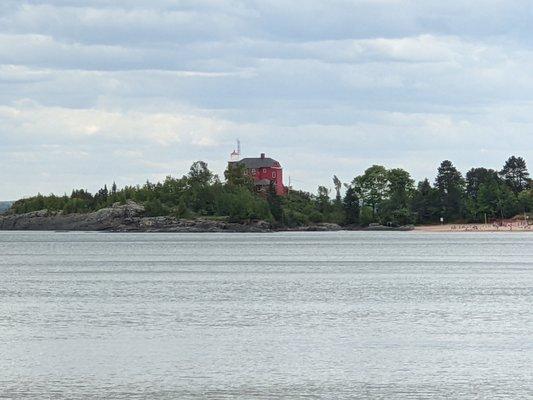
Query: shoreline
130	217
475	228
243	228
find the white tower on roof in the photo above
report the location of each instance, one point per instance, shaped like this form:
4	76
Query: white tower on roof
236	154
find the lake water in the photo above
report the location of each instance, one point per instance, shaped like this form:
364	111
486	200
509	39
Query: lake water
266	316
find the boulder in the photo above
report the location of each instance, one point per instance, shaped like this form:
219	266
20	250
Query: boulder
121	218
111	218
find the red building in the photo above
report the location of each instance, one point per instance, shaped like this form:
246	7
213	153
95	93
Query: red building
264	170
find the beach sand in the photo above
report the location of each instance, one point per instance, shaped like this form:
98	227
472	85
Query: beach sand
508	227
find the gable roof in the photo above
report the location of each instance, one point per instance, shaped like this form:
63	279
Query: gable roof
259	163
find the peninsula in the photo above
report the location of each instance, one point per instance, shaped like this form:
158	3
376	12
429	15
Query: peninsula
253	198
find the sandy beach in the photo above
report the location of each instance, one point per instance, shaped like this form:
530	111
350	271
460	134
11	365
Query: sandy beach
506	227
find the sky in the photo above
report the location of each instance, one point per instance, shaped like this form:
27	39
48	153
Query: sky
97	91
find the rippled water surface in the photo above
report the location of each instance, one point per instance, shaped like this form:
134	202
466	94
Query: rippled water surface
269	316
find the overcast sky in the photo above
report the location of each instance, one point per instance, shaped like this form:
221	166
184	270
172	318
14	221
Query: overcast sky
97	90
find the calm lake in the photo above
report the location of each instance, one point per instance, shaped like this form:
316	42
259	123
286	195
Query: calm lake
286	316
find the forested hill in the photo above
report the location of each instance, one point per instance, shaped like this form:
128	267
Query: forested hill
379	195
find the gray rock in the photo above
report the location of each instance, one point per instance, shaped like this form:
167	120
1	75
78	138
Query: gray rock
320	227
105	219
121	218
169	224
377	227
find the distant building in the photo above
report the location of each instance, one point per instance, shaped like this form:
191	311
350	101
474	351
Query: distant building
264	171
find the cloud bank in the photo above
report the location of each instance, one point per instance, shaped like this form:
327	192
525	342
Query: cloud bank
96	91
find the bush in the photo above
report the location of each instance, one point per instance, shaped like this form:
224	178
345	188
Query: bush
154	208
367	216
316	217
76	206
294	218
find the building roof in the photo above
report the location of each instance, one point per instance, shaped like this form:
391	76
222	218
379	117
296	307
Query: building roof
259	162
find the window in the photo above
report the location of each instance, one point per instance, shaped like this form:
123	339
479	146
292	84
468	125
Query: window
253	171
264	170
273	174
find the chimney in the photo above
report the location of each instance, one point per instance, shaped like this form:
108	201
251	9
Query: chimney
262	155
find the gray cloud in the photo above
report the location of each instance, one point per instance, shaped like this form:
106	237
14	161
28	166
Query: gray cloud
92	91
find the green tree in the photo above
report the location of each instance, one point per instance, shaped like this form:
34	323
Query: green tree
241	205
100	198
180	211
75	205
525	201
426	203
515	174
496	200
322	200
451	188
371	187
395	208
366	216
298	206
401	187
199	174
474	179
274	203
477	176
351	206
236	175
154	208
338	186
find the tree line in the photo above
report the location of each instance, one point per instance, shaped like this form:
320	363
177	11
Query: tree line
379	195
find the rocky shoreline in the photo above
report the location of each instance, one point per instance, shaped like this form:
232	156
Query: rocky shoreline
130	217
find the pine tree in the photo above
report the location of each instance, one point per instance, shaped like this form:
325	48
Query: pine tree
515	174
351	206
451	186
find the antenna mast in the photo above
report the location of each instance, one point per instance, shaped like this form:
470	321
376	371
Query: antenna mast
236	155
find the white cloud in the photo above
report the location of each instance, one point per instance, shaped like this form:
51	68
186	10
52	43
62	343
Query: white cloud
92	91
41	124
